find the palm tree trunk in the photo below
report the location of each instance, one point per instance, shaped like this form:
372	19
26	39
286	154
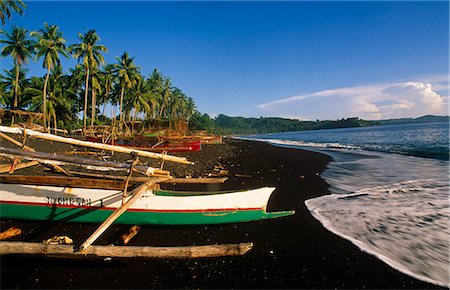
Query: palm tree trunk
161	111
103	111
16	87
134	120
120	108
55	123
85	100
44	99
93	112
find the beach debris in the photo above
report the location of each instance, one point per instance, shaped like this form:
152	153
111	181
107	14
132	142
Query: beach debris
59	240
126	237
218	171
9	233
243	175
180	252
4	168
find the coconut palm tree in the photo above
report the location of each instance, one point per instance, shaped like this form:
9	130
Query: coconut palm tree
77	77
8	80
166	95
20	48
50	44
96	89
108	81
190	109
6	6
60	97
3	94
127	73
90	52
138	98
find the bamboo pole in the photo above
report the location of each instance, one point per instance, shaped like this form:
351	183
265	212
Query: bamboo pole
135	194
209	180
185	252
6	167
89	163
28	148
107	182
95	145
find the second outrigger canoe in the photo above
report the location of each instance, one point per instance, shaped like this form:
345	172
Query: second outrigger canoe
154	207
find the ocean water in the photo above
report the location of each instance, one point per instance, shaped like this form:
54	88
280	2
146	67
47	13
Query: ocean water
390	192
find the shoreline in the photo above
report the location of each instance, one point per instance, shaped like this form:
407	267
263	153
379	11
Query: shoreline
290	252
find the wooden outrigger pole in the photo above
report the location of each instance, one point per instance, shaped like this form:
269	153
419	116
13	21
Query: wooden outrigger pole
135	194
28	148
100	146
94	164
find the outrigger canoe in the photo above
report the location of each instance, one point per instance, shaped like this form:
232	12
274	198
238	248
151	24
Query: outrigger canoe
144	143
154	207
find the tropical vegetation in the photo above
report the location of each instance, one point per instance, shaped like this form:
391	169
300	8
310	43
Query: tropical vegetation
88	88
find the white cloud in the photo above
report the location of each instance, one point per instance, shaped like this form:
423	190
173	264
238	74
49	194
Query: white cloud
381	101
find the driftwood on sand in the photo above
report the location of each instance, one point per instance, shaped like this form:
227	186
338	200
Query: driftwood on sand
183	252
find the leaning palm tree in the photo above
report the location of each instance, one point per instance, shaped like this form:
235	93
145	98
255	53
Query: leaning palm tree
90	52
50	44
20	48
127	73
6	6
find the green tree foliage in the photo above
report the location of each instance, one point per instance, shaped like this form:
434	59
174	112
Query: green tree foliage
8	6
49	45
17	45
90	52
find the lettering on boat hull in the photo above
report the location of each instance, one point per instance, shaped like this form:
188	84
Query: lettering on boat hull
76	201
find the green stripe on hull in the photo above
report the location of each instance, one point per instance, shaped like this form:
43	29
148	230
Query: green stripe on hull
94	215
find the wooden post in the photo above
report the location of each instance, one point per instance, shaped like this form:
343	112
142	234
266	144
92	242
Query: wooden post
126	237
9	233
127	181
135	194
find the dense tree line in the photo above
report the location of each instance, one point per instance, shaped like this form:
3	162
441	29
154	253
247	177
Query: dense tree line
239	125
88	87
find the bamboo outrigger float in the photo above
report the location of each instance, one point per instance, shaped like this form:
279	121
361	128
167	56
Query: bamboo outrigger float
121	199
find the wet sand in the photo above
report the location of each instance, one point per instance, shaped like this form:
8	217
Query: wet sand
290	252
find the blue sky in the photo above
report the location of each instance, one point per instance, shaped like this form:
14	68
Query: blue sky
307	60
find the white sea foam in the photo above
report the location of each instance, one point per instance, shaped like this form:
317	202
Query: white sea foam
331	145
393	206
403	224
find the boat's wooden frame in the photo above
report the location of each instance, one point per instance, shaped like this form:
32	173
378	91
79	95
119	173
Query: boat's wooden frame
106	200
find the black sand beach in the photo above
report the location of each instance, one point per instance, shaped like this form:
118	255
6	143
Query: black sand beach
291	252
